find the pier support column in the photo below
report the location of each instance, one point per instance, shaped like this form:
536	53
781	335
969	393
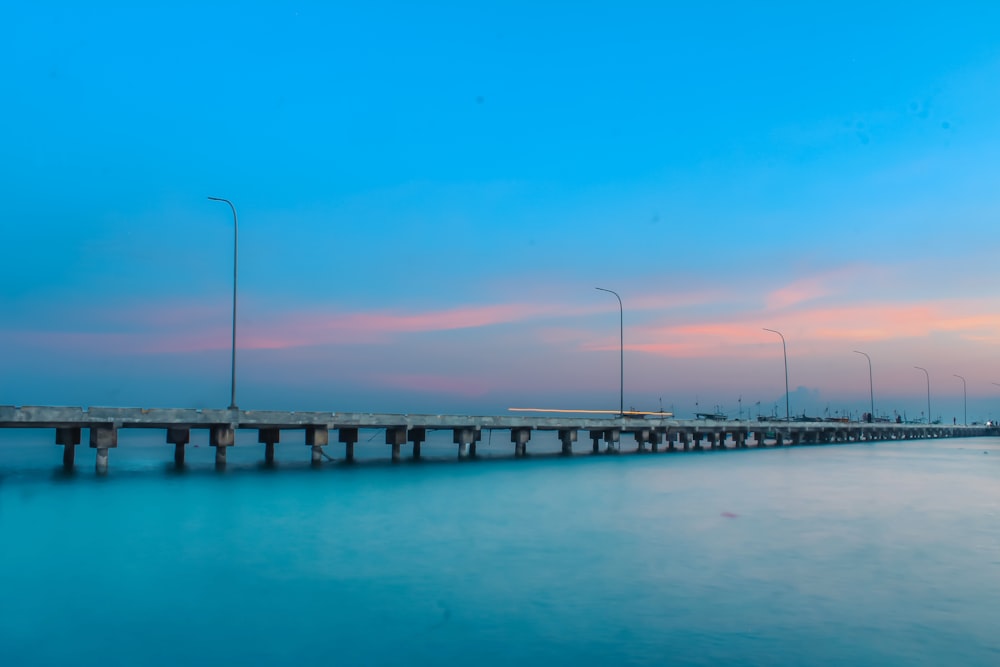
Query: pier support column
654	440
520	438
567	438
269	436
417	436
317	437
69	438
612	437
395	436
596	437
348	436
670	439
697	442
463	437
796	437
779	439
178	437
686	440
740	440
103	438
641	438
221	437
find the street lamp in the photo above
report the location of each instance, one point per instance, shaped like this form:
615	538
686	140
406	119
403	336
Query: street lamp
236	262
871	387
928	392
784	352
965	401
621	349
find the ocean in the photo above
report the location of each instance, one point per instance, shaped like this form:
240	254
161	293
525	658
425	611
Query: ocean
856	554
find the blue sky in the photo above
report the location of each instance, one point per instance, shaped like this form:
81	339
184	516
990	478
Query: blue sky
428	196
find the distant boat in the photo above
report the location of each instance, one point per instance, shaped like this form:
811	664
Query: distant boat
715	416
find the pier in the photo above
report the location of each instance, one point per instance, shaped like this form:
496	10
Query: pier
650	433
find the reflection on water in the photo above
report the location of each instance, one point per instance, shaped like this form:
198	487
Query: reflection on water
856	554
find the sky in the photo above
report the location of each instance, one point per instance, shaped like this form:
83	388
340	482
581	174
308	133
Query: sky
428	194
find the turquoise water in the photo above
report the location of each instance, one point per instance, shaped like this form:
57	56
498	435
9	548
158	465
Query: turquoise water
885	554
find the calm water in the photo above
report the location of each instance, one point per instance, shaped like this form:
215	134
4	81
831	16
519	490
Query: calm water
884	554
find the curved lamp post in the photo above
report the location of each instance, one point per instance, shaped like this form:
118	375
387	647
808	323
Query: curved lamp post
621	349
965	401
784	352
236	262
928	393
871	387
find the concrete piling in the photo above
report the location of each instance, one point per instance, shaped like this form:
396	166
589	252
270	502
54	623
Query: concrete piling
463	437
612	438
567	437
596	437
221	437
269	436
69	438
520	438
642	436
395	436
417	436
348	436
178	437
103	438
317	437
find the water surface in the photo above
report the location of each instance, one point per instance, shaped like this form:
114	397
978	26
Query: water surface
863	554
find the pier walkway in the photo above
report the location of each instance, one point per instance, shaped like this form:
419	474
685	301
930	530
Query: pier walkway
650	433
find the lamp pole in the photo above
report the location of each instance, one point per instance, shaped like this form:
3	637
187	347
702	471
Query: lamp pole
965	401
928	392
871	386
236	263
784	353
621	350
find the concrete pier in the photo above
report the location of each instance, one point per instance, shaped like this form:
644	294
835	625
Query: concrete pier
104	424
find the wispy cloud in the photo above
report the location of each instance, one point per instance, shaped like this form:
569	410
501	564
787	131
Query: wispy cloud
742	335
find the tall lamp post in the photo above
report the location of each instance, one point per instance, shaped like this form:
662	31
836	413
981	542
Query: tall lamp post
784	352
928	392
965	401
871	386
236	263
621	349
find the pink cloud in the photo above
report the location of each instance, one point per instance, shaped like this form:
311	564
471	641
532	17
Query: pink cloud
178	329
743	335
